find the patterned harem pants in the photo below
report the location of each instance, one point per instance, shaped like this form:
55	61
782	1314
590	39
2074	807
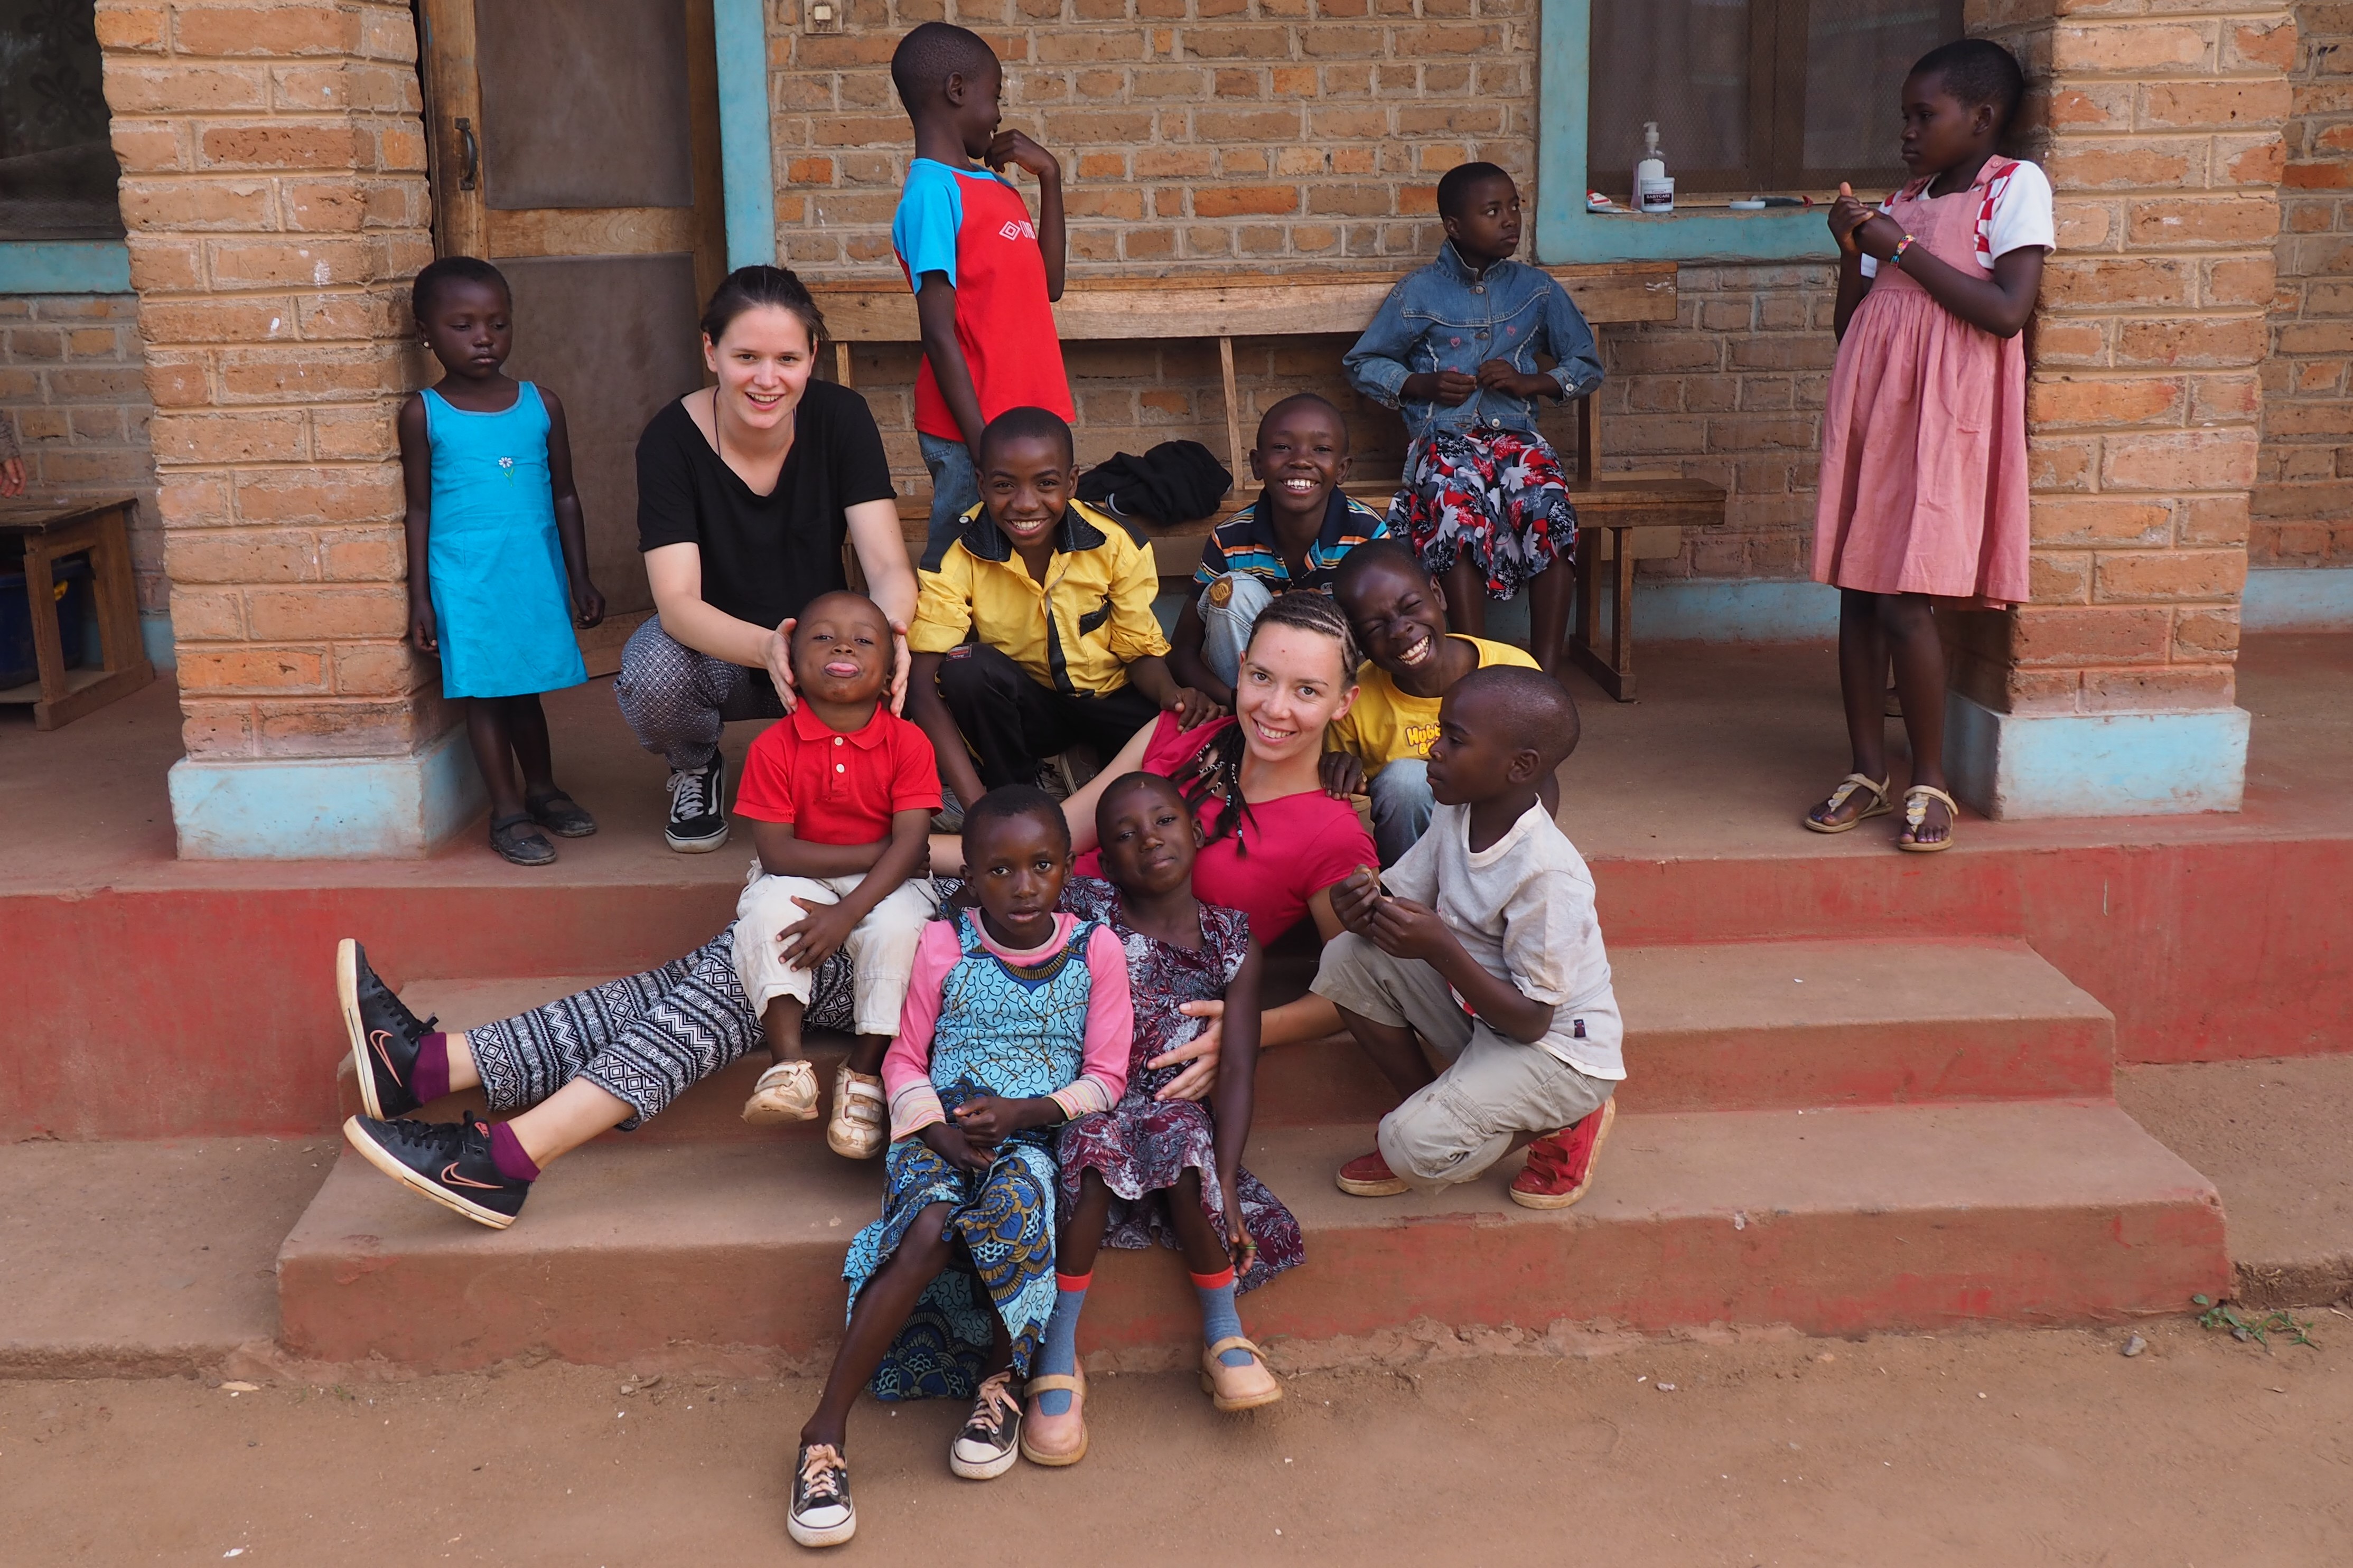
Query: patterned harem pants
644	1039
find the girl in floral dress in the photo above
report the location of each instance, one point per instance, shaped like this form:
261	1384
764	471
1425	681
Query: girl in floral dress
1166	1168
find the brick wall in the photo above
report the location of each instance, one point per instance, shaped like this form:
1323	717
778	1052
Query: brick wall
2303	493
2164	140
1286	135
273	184
71	383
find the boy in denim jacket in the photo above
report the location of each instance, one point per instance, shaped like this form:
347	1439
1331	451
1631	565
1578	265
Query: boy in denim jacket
1455	346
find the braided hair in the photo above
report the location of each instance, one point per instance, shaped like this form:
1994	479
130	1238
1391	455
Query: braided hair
1217	768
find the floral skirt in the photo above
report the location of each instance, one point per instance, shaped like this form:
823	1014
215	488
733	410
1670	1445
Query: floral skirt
1141	1146
1497	498
1005	1218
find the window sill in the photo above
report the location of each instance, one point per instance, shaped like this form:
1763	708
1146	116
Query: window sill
1567	233
65	266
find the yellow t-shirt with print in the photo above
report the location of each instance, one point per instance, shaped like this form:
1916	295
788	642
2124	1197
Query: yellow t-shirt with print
1388	724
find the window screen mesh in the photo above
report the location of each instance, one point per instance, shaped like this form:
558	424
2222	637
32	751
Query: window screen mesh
1869	44
1683	63
57	165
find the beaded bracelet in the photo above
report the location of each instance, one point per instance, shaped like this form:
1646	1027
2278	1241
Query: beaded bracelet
1896	258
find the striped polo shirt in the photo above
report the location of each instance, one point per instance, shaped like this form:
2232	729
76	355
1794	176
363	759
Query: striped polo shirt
1246	542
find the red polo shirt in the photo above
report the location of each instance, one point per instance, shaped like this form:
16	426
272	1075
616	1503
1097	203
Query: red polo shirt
837	788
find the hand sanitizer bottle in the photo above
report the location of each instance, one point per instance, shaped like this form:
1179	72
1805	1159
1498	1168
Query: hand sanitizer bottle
1654	192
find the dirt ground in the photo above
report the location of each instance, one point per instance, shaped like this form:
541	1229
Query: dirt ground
1970	1449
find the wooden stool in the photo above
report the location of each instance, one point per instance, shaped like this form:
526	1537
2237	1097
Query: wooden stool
51	530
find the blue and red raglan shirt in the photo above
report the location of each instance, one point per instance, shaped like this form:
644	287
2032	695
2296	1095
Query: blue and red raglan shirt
974	226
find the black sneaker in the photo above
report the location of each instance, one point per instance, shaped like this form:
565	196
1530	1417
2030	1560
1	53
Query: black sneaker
383	1034
447	1162
822	1513
991	1438
698	808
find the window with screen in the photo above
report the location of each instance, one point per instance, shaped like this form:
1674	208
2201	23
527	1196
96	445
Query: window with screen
57	165
1755	97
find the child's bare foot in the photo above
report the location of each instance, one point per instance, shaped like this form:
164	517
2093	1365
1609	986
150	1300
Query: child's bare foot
1856	799
785	1092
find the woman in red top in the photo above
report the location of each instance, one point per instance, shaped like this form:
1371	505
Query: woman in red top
1276	859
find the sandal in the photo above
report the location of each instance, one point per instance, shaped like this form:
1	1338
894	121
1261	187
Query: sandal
1839	797
519	841
1043	1440
1244	1387
1915	812
561	815
785	1092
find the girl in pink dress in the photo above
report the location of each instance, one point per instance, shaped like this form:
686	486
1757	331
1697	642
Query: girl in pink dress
1924	492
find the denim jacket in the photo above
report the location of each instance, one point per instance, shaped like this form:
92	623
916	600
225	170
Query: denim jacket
1443	318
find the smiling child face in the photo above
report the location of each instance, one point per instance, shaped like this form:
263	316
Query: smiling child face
1025	483
1399	613
1301	456
1148	838
978	114
841	650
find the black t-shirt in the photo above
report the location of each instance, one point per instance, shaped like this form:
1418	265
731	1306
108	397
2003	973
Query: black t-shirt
763	557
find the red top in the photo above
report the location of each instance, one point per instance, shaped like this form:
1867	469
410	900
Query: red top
837	788
1298	844
1004	322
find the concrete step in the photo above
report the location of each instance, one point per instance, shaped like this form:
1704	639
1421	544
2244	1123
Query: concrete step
1738	1026
1833	1221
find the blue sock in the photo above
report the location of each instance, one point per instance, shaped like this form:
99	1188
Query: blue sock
1219	1319
1060	1352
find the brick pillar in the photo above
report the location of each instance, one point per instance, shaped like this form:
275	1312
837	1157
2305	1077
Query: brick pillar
2112	692
273	185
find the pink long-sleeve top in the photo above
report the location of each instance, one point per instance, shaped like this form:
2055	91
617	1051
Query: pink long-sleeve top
1110	1019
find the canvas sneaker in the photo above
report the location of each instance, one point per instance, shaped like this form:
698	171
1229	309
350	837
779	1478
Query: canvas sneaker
449	1161
991	1438
1369	1176
1560	1165
698	808
383	1034
822	1513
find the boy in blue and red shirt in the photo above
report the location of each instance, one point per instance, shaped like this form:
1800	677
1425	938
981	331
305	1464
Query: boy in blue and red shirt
985	276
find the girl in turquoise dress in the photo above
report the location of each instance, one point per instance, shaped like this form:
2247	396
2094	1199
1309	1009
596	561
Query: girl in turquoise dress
497	563
1017	1020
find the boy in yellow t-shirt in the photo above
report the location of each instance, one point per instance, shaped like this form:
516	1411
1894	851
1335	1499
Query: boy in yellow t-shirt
1381	745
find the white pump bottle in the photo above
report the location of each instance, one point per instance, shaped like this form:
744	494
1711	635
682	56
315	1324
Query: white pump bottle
1654	192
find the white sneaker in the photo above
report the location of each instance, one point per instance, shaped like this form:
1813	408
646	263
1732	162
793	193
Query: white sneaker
785	1092
860	1127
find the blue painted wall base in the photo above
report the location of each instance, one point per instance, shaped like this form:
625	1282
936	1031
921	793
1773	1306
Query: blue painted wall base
2012	767
344	808
2299	599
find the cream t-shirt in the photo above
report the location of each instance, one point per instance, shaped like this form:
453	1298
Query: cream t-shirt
1523	907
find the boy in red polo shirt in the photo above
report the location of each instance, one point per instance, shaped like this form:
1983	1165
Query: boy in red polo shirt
985	276
841	792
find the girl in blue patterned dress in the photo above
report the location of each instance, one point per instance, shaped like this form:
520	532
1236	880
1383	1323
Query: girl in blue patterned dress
1017	1020
497	563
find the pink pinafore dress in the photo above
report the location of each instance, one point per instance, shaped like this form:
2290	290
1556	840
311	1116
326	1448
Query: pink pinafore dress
1923	442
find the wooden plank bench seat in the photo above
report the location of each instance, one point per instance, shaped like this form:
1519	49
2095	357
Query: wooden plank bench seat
1229	306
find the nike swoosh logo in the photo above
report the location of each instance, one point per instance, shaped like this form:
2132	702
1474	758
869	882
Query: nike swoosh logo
450	1178
376	1039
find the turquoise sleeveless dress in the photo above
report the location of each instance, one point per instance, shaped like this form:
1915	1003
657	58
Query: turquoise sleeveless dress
502	603
1002	1030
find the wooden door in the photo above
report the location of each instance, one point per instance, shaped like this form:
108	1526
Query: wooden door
576	143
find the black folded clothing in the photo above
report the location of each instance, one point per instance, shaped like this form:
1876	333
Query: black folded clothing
1175	482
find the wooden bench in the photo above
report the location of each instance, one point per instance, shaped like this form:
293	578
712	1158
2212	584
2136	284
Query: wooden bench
1611	512
51	530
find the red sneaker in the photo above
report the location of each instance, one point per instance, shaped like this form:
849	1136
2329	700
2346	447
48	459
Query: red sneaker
1560	1165
1369	1176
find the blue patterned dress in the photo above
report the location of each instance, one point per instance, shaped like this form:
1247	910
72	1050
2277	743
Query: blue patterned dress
1002	1030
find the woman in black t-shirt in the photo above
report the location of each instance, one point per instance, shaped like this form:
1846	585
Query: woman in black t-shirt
745	492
